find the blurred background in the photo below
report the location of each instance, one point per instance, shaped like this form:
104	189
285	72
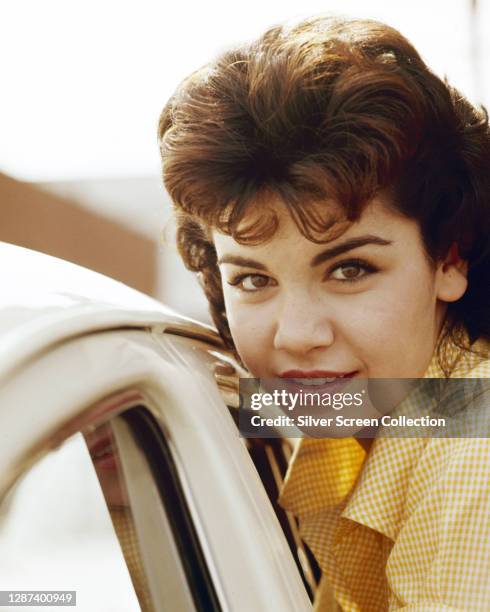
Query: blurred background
83	84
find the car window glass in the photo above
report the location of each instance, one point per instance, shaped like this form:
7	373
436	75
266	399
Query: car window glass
56	534
165	540
104	452
104	515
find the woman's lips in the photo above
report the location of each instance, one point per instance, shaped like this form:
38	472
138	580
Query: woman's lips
102	453
314	381
316	374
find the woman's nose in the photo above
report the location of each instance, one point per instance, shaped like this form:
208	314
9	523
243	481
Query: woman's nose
301	326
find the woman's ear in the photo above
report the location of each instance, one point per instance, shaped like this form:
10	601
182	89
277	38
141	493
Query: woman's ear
451	276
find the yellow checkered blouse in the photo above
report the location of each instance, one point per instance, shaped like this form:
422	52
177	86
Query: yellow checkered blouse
405	526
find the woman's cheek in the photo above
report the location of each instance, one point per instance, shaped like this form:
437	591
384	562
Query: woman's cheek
250	330
372	325
249	346
393	334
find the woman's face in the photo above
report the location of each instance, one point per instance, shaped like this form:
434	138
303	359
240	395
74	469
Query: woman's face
368	303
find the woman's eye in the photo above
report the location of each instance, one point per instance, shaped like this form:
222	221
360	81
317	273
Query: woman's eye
351	271
251	282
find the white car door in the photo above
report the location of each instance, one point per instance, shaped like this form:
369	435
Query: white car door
193	527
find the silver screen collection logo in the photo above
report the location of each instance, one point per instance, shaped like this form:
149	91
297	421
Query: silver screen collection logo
364	408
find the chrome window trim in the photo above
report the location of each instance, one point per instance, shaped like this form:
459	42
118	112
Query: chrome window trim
165	574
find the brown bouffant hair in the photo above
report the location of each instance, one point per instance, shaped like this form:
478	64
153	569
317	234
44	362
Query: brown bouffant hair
329	109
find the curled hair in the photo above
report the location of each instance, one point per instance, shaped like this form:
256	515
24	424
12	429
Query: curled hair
330	109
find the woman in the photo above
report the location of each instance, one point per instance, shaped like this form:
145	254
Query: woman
333	195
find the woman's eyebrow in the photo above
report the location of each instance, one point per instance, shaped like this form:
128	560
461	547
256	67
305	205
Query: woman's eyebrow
338	249
236	260
348	245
